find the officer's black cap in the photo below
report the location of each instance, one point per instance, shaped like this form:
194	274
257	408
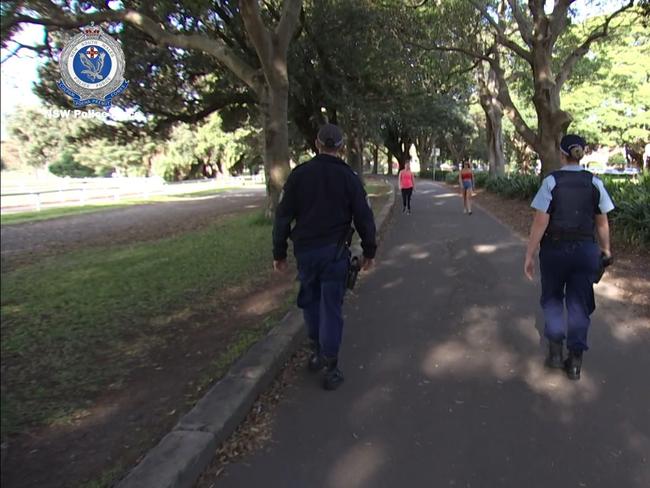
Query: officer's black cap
571	141
330	136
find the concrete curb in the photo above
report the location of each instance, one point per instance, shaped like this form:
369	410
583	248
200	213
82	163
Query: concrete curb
183	454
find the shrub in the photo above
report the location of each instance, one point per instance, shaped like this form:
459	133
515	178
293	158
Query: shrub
428	175
513	186
480	179
617	159
631	217
451	177
67	166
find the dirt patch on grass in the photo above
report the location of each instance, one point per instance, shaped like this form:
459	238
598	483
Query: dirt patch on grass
101	442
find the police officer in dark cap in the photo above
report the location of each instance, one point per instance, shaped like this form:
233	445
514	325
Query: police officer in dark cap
571	229
323	196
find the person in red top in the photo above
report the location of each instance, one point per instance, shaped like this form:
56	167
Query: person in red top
406	183
466	180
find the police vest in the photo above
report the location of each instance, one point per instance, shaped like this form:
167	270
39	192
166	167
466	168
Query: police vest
574	205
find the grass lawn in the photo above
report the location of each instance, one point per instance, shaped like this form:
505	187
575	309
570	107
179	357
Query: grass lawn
53	213
73	323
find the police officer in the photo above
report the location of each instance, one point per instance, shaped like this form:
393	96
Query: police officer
323	196
571	224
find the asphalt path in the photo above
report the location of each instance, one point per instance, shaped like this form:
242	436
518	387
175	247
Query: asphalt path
445	384
122	225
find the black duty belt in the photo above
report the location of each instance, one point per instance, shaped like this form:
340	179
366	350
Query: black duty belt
569	236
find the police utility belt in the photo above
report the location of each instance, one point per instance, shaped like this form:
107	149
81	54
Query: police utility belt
565	235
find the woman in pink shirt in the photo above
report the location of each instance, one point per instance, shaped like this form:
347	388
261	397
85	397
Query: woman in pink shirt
406	183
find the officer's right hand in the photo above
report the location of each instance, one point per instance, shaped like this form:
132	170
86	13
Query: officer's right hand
529	267
367	263
280	265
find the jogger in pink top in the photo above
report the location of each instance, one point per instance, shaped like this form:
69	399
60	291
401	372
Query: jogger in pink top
406	183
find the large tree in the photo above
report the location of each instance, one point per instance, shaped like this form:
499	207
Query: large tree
530	33
220	30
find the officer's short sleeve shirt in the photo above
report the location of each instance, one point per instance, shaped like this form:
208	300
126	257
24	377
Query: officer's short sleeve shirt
542	200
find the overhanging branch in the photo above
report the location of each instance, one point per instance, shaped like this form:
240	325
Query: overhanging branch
598	33
156	31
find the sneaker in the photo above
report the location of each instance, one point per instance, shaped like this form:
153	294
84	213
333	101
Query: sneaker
333	379
404	210
408	211
469	213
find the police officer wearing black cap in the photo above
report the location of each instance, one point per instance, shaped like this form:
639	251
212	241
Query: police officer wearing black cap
324	196
572	231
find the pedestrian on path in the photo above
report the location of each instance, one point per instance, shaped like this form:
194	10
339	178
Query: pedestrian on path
324	196
571	229
406	182
466	181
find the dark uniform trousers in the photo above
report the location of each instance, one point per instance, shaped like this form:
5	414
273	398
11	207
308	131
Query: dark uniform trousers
568	269
322	288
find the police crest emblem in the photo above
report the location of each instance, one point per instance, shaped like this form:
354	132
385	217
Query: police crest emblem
92	68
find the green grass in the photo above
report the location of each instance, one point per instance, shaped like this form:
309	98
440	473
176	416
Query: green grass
53	213
73	324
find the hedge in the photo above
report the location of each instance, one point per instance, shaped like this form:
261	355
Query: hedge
630	219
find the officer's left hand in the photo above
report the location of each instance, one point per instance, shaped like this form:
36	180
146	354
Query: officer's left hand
529	267
280	265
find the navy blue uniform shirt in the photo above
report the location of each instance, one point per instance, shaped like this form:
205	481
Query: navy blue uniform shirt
323	196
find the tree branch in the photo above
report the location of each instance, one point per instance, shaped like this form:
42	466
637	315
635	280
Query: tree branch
509	107
216	104
158	33
598	33
257	31
525	27
559	19
501	36
288	23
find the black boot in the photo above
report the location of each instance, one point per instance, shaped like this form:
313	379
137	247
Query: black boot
573	364
554	359
333	376
315	362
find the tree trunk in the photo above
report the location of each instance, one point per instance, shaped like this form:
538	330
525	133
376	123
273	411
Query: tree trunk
355	146
276	143
488	93
390	164
496	158
375	159
424	146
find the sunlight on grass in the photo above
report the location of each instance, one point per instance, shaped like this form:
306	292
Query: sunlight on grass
53	213
75	322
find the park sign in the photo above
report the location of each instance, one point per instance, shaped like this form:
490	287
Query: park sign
92	68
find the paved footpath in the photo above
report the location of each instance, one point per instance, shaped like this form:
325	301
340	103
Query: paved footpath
444	379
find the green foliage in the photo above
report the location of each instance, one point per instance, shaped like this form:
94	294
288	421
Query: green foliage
67	166
204	150
523	186
616	159
631	217
452	177
611	103
481	179
441	175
